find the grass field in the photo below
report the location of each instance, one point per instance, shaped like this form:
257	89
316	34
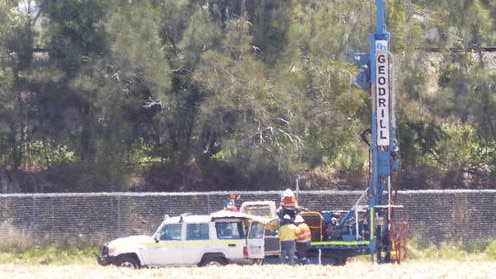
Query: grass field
417	269
71	261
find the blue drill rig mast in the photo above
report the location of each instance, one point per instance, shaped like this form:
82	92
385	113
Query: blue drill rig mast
384	146
377	76
375	233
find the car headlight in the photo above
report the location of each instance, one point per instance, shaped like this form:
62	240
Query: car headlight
111	249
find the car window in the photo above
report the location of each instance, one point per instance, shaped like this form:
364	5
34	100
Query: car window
257	231
197	231
171	232
230	230
272	227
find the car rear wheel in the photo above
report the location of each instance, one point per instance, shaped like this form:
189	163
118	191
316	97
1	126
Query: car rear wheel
127	261
213	261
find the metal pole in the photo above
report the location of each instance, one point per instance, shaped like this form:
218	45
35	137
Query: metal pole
297	179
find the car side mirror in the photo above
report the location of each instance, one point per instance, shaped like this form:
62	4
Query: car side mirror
156	238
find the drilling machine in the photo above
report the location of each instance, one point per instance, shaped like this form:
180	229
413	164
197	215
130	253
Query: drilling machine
368	226
377	233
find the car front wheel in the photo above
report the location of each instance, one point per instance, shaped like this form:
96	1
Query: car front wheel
128	261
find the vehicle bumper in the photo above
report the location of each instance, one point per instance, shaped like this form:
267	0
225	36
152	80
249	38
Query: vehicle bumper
104	258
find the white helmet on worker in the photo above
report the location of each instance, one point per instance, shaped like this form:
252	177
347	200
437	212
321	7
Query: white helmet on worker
288	193
299	219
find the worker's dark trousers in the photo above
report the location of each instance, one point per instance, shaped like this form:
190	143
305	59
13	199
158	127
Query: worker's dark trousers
301	251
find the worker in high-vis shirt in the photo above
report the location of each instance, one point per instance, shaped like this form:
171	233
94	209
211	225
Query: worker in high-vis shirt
287	235
303	239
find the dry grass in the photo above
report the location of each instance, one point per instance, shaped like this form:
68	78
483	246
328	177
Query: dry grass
417	269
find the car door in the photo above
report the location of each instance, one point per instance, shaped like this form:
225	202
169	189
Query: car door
197	243
242	225
255	240
168	249
272	242
231	235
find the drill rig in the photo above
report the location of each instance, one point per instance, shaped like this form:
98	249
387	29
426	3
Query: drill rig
368	226
370	229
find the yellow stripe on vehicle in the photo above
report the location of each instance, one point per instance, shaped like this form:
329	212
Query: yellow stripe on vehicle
180	243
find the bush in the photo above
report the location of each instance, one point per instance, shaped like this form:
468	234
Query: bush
491	250
452	250
62	251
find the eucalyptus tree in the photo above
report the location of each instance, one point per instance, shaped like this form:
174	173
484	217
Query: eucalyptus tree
16	53
63	85
293	109
316	71
446	90
467	77
95	94
241	113
138	82
11	157
187	29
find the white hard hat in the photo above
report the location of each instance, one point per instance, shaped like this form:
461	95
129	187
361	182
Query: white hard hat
299	219
286	217
288	193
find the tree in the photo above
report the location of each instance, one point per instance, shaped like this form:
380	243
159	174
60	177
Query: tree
239	113
17	37
187	31
316	70
136	85
187	95
7	101
441	96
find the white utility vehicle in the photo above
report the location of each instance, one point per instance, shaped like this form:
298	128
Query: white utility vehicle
220	238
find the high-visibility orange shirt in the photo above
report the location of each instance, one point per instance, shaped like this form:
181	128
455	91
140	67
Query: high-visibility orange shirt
305	233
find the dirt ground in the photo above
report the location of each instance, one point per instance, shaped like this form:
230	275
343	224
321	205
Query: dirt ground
439	269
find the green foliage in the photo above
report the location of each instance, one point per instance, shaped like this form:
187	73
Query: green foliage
480	250
468	23
491	250
456	149
104	91
60	252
